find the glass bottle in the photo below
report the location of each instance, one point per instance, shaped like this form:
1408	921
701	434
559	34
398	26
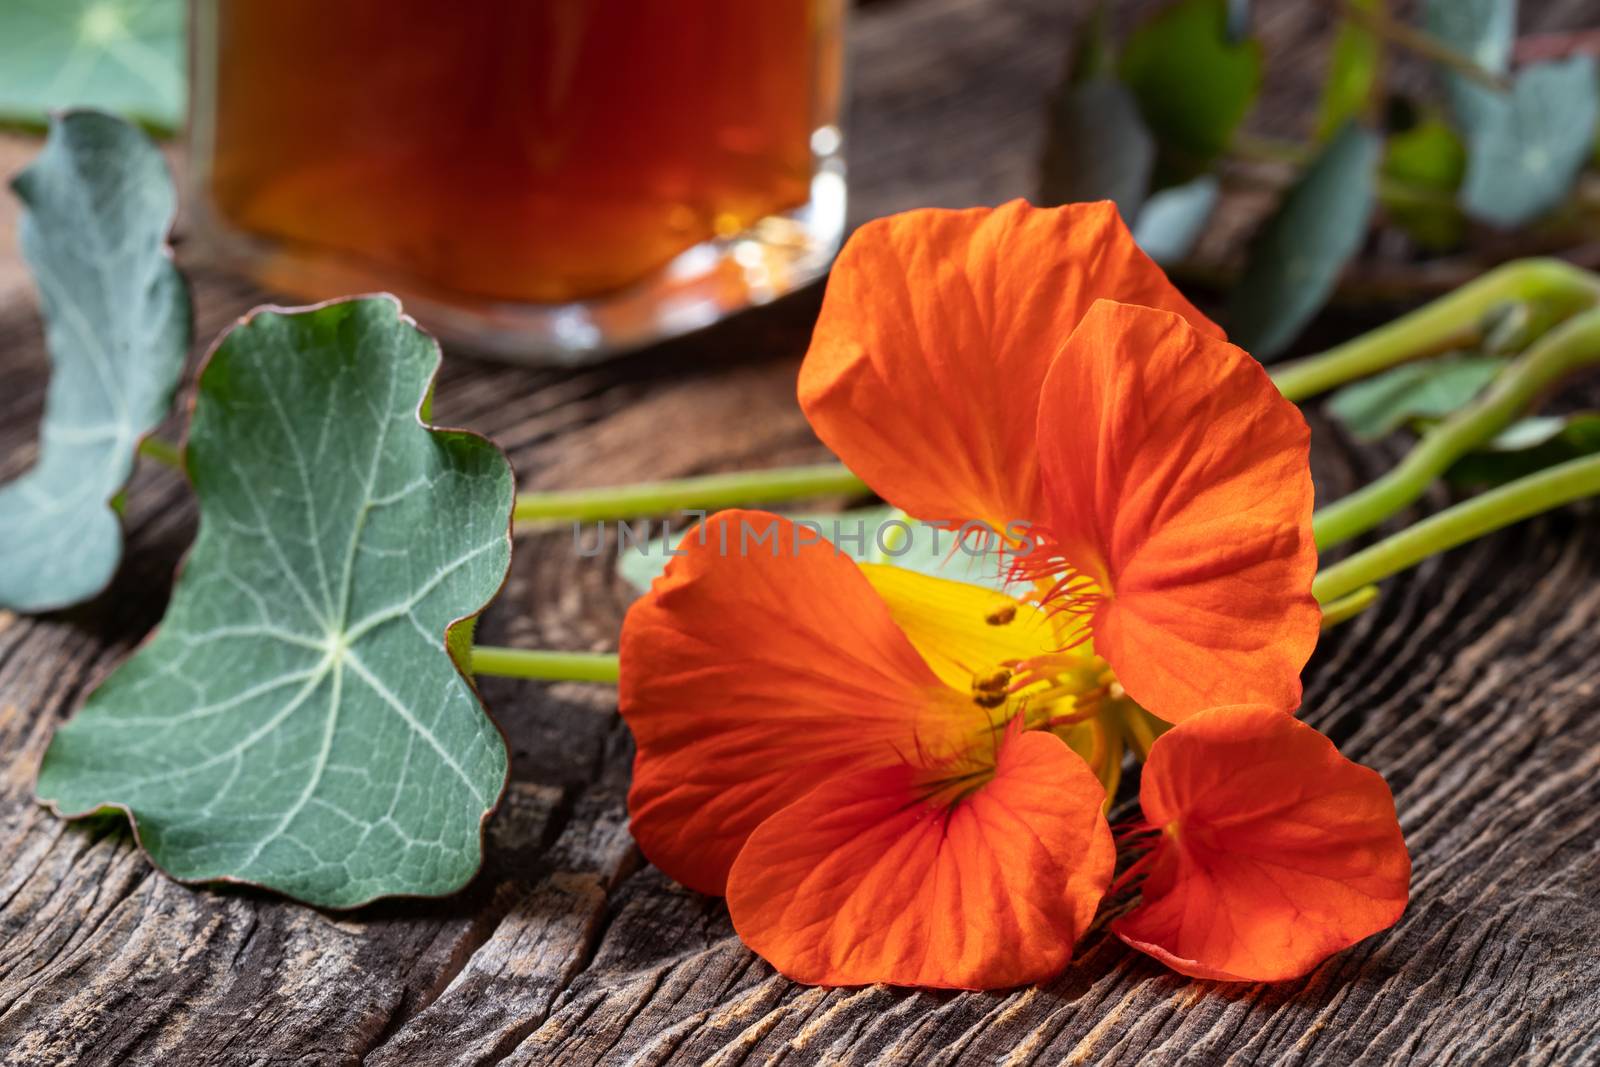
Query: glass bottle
544	180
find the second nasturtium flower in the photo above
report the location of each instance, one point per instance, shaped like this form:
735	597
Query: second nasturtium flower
899	778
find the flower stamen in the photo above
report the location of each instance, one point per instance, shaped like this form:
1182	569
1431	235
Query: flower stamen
1067	589
1002	615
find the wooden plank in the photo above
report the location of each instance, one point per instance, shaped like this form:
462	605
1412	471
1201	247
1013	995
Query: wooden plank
1474	687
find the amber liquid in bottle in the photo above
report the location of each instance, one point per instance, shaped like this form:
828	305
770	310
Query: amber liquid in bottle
522	150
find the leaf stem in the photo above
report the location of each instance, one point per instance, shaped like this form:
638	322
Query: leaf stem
1456	525
1425	45
1349	606
162	452
544	666
1452	320
1570	346
704	493
1346	588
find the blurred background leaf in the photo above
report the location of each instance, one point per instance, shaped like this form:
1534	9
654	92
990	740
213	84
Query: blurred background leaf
1353	72
1194	84
1429	157
1482	31
1173	219
1525	149
1295	259
1432	388
1529	446
122	56
1097	148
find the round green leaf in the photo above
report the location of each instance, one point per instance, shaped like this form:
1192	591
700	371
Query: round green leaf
121	55
1526	152
1430	156
296	722
1194	83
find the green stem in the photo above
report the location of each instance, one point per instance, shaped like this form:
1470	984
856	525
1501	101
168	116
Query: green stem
162	452
1570	346
1447	322
544	666
1425	45
1349	606
1346	588
1470	519
692	494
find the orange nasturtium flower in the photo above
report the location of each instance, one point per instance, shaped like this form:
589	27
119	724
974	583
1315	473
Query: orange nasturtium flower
900	778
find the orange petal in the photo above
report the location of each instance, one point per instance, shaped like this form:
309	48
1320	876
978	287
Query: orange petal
1178	479
749	676
938	326
868	879
1278	851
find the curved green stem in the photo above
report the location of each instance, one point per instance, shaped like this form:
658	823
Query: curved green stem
162	452
1448	322
1347	607
706	493
1512	502
544	666
1570	346
1426	45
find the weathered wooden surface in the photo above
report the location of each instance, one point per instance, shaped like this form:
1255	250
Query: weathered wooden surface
1474	687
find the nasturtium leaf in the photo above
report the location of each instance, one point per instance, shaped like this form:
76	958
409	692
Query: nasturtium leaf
1352	72
125	56
1426	389
1529	446
1295	260
874	534
1172	220
1428	153
295	721
1428	158
1482	31
1537	430
1097	148
97	206
1193	82
1526	152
